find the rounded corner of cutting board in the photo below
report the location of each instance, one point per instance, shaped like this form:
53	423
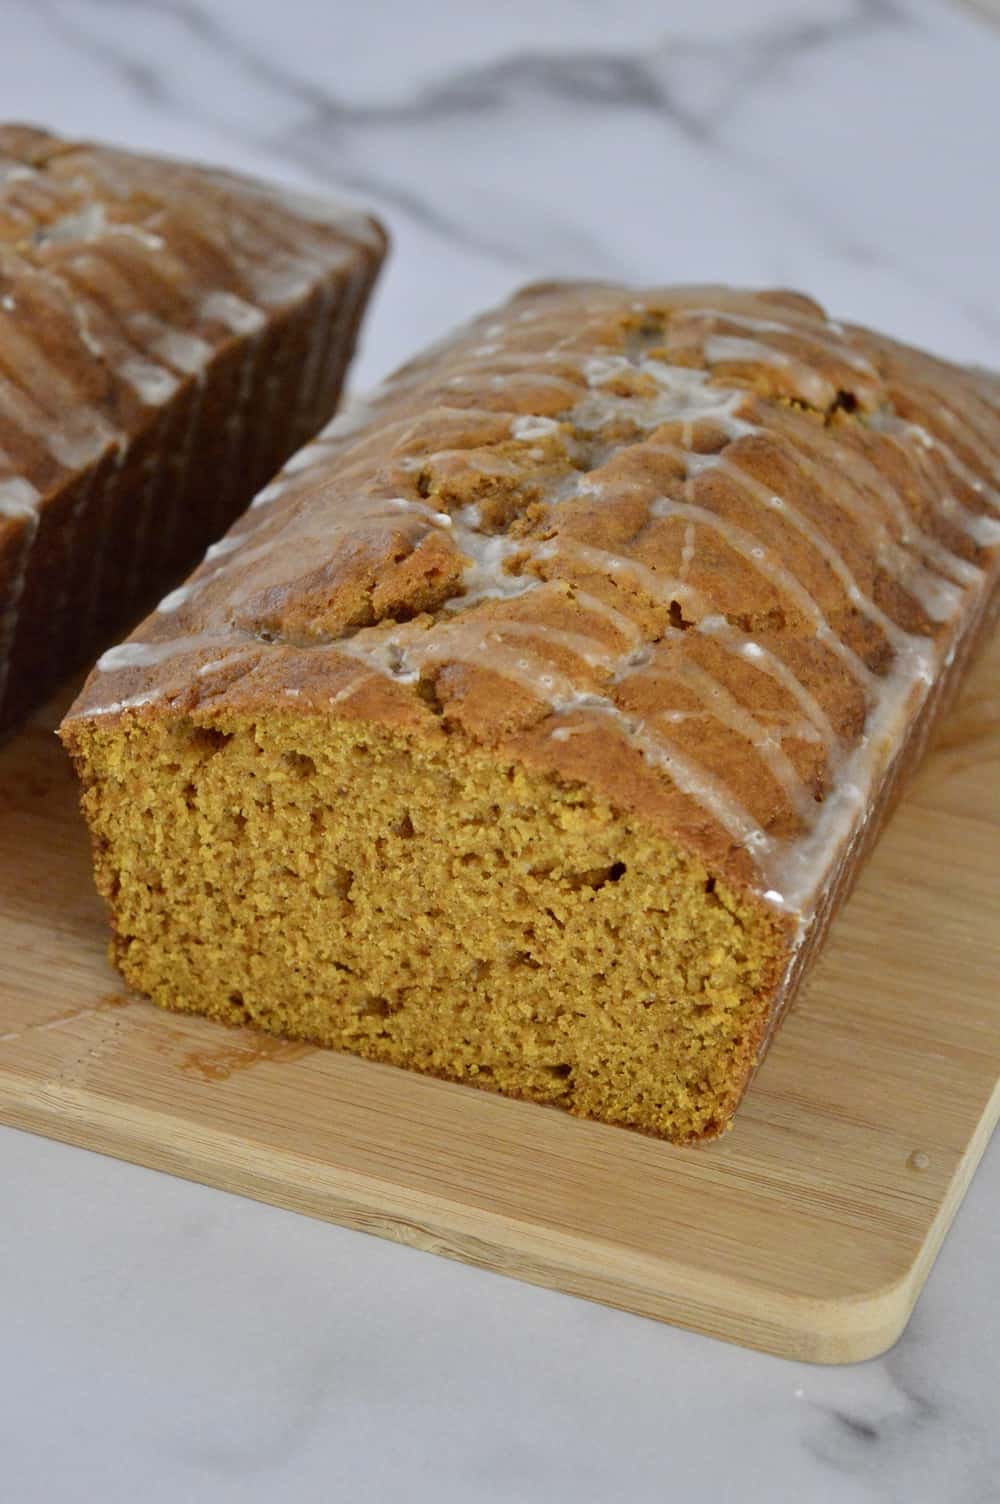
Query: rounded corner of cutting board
853	1327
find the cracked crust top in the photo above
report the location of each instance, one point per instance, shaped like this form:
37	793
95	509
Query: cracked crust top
705	550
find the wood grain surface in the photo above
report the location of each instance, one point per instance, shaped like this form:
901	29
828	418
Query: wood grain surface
808	1231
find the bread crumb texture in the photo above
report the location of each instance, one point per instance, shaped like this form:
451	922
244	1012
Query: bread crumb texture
428	908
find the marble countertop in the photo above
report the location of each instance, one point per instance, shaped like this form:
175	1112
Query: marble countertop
166	1342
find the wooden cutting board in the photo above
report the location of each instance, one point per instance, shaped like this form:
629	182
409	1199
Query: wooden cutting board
808	1231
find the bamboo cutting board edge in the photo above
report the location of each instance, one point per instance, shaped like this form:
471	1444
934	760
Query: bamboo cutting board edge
841	1328
731	1240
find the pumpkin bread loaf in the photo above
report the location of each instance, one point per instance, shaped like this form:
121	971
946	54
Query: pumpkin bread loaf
169	335
531	725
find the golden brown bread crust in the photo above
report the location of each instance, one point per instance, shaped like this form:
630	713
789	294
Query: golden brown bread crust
168	336
705	552
612	526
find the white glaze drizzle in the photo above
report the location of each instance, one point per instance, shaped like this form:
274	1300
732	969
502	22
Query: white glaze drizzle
792	869
227	545
176	598
74	439
12	171
725	349
147	654
320	209
80	282
622	624
977	437
86	223
728	711
18	497
687	550
819	337
866	481
235	313
664	591
940	598
142	351
270	493
152	383
758	558
654	584
480	643
534	428
187	352
769	663
901	431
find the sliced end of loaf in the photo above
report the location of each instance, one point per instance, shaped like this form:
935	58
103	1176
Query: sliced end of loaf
419	903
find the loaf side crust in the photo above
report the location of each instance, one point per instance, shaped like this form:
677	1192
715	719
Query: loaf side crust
169	335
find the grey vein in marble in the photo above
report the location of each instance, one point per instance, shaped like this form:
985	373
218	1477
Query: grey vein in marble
696	94
333	138
166	1342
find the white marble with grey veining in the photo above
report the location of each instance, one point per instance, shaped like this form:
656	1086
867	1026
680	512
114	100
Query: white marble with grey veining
163	1342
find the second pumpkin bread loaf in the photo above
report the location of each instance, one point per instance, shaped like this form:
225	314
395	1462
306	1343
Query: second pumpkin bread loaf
169	335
